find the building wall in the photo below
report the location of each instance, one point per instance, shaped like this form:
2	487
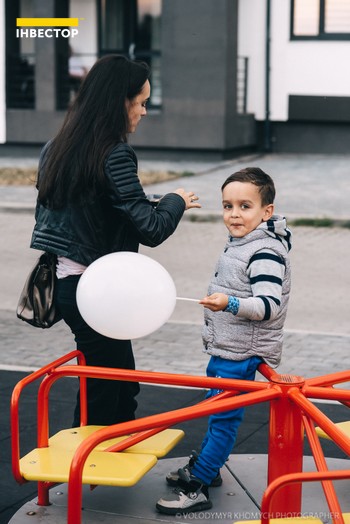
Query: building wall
251	43
2	74
41	124
199	48
309	83
297	67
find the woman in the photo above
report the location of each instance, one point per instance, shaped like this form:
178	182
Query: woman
91	203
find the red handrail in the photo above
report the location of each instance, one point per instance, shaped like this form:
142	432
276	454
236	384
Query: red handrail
291	478
55	370
14	407
155	377
142	435
321	465
339	437
331	379
282	387
163	419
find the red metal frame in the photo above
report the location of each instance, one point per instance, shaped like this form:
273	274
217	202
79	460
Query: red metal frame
321	465
286	433
292	478
17	391
291	414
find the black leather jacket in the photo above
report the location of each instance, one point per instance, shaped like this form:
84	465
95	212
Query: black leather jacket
119	221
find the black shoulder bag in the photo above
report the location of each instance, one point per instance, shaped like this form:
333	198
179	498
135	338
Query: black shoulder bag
36	304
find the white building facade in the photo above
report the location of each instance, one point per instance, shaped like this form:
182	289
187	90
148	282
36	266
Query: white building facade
309	75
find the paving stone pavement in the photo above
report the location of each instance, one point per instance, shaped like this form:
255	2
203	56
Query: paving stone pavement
317	337
174	348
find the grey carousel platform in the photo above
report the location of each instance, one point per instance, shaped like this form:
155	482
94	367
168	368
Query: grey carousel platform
230	501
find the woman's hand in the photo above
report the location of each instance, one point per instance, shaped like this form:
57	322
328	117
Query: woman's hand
189	197
215	302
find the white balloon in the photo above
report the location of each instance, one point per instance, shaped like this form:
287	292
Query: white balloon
126	295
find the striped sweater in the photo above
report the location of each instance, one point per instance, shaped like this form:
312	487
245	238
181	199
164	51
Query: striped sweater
256	270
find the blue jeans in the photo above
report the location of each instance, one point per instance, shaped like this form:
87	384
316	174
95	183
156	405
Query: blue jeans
109	401
222	427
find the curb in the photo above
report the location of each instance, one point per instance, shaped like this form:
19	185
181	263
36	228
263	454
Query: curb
17	208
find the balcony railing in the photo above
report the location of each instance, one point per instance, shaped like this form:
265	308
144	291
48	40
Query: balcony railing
242	84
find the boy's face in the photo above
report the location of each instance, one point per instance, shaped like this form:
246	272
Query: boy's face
242	208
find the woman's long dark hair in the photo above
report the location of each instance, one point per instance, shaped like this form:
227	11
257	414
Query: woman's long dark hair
96	121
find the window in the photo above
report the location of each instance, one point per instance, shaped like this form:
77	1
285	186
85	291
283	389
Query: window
320	19
76	56
133	28
20	59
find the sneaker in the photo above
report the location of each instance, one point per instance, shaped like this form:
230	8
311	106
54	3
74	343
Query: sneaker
173	478
193	497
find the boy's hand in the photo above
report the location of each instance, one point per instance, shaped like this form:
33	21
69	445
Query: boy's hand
215	302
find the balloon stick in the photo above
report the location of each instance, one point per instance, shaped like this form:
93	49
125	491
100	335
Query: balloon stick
188	299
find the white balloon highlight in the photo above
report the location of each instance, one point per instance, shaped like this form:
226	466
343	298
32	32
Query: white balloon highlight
126	295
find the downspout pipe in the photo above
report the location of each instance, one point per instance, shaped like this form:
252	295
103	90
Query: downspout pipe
267	126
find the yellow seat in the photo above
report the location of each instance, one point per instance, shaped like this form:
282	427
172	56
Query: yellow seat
125	468
299	520
344	426
101	468
158	445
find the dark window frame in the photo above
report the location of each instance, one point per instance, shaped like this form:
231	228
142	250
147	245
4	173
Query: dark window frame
322	35
20	74
129	37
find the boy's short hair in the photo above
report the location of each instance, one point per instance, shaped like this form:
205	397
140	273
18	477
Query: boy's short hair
255	176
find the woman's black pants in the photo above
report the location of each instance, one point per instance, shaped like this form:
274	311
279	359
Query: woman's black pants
109	401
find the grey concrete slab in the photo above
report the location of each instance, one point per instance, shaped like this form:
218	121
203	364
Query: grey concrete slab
230	501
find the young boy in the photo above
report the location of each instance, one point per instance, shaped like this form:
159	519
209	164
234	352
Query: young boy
243	322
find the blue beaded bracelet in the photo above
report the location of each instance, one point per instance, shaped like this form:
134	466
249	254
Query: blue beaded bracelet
233	305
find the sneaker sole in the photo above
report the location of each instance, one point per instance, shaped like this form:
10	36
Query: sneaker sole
182	511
